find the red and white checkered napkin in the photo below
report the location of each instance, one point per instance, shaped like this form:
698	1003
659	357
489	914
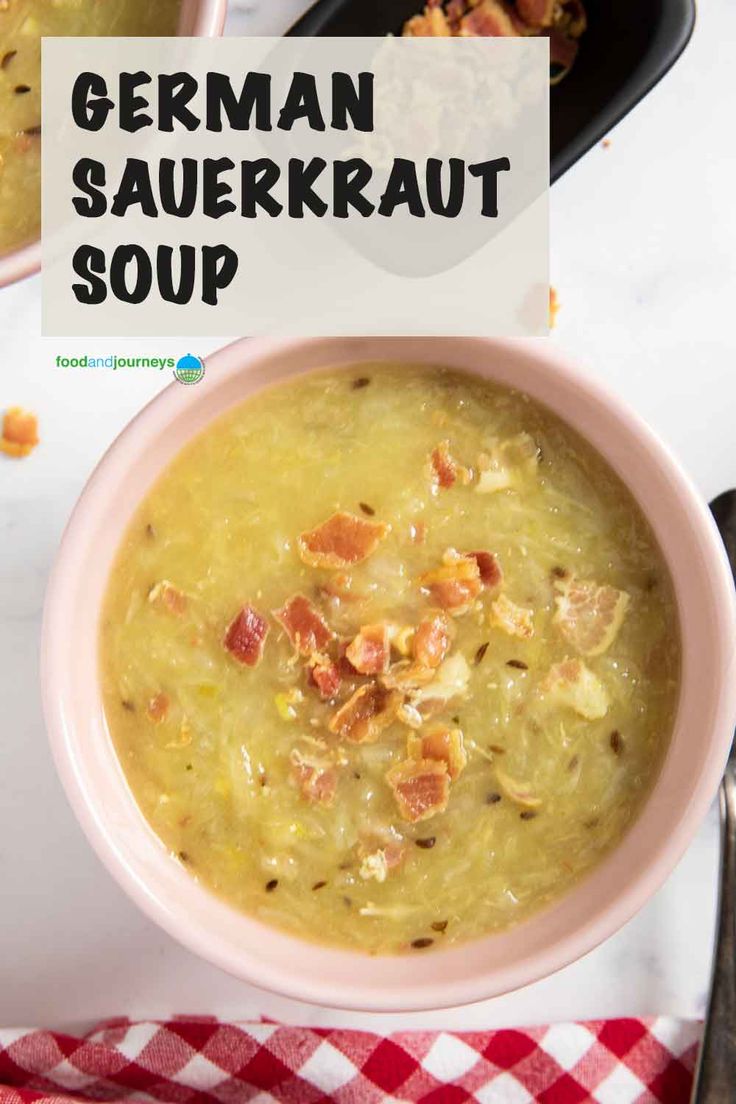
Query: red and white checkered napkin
190	1060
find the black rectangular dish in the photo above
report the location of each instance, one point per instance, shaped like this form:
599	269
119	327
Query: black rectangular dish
628	46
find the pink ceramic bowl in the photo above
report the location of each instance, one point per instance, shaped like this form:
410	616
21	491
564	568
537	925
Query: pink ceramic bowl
603	901
200	19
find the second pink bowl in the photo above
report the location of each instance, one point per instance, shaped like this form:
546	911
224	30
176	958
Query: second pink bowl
199	19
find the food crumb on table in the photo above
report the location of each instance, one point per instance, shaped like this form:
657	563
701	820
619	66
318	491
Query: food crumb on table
20	432
554	307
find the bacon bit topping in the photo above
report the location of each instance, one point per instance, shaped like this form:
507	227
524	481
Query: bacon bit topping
246	636
341	540
518	792
166	595
563	21
491	574
325	675
362	718
456	584
370	651
432	640
562	52
487	20
573	684
589	616
537	13
421	788
304	625
158	708
554	307
443	744
20	432
514	620
316	780
431	24
445	470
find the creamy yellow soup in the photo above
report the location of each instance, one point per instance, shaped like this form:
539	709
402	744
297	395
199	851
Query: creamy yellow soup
23	23
390	657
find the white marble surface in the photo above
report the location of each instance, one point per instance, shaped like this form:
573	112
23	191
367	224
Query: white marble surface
644	236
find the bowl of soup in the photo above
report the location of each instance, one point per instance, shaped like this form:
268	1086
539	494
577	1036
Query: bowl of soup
389	673
23	23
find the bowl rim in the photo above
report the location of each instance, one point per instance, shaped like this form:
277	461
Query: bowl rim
18	264
603	919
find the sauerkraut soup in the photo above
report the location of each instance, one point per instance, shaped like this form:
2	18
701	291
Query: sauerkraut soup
23	23
390	657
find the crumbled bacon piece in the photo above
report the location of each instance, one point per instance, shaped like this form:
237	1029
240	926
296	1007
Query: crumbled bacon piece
246	636
562	50
317	782
341	540
443	744
456	584
421	788
20	432
432	640
158	708
562	21
554	307
488	20
432	23
514	620
370	651
572	18
325	675
168	597
589	616
536	13
304	625
491	574
362	718
444	469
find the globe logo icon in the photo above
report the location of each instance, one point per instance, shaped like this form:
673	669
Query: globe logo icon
189	369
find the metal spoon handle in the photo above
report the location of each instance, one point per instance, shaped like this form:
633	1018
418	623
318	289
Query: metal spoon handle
715	1078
